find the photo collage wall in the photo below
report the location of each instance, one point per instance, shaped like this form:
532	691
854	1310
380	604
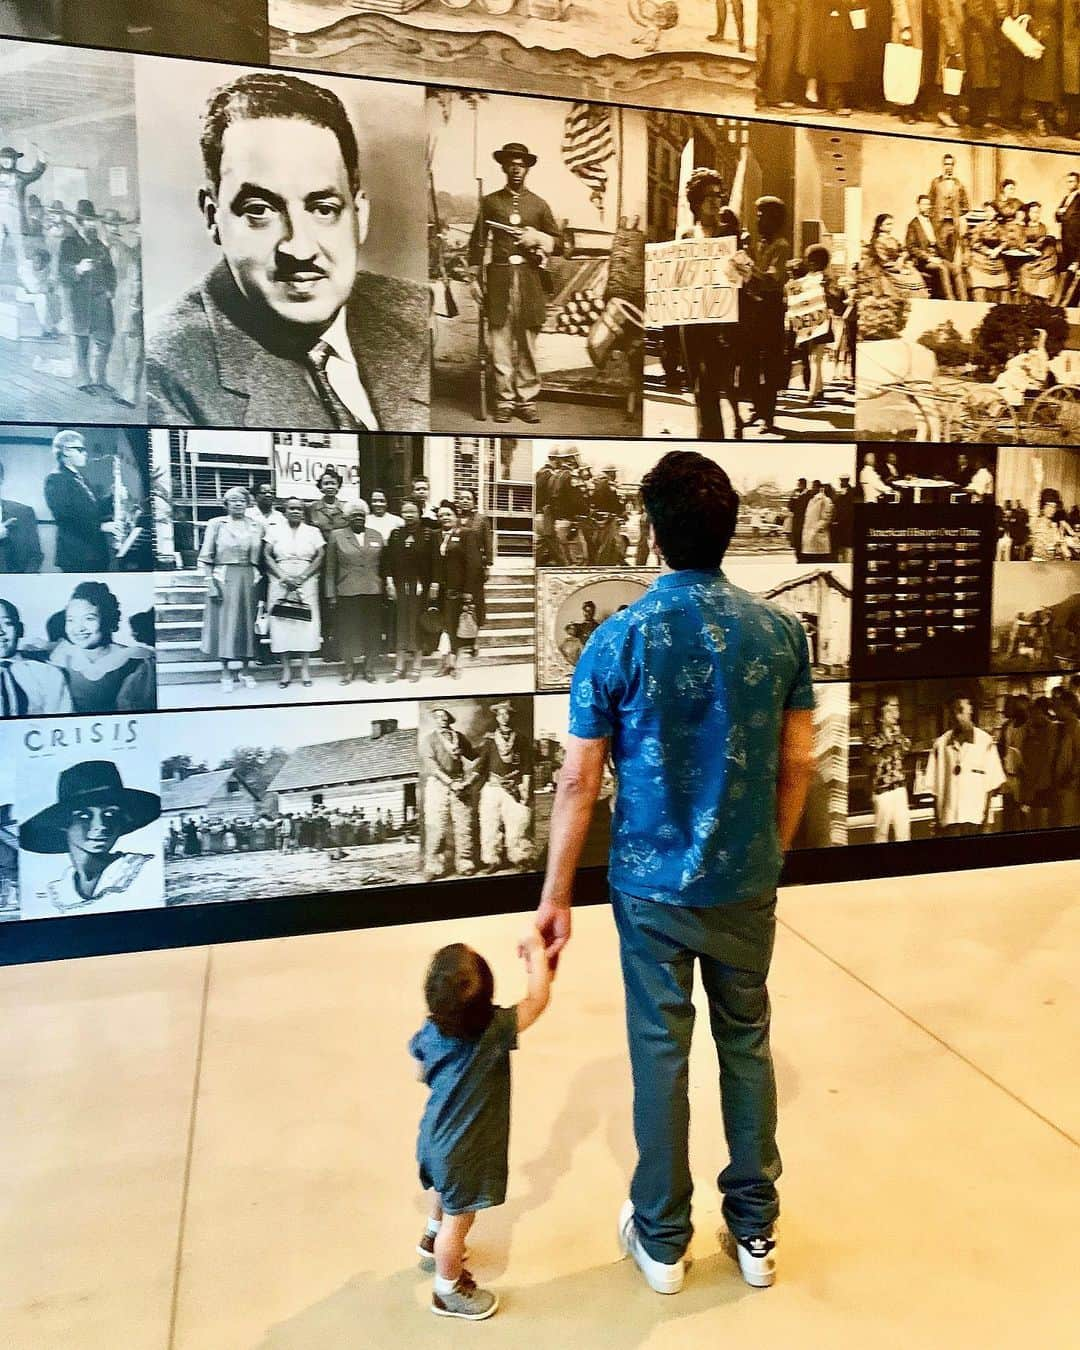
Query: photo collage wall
329	387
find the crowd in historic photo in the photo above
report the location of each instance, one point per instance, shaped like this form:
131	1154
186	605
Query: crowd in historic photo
981	756
71	318
749	280
285	275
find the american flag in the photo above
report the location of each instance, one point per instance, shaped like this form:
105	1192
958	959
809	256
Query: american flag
588	143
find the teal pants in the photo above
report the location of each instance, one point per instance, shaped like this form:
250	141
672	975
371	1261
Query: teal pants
659	947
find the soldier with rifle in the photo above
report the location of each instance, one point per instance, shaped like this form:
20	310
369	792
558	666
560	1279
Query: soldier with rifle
522	234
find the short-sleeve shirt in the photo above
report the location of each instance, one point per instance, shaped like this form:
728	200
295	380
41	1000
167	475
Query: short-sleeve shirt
691	683
464	1139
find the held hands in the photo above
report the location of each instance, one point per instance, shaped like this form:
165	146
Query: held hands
531	948
553	924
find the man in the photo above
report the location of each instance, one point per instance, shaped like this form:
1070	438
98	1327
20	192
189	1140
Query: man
13	184
843	527
703	695
449	763
588	624
286	330
871	483
921	244
523	234
797	504
20	543
1068	217
948	206
762	323
980	487
504	768
27	688
964	772
264	513
885	752
122	239
1067	761
421	495
88	279
817	524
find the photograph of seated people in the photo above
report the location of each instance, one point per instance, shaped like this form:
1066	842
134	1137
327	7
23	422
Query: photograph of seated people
1038	505
1000	68
925	475
984	224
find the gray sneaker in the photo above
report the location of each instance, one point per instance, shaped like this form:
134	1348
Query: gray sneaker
465	1300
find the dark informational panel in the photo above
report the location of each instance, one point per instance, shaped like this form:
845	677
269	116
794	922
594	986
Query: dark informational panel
335	342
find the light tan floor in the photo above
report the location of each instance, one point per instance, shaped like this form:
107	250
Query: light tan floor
213	1150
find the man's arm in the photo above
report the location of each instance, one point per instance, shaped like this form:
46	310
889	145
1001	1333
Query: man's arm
580	779
797	767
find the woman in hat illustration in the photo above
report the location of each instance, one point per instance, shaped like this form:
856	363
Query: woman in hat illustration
92	811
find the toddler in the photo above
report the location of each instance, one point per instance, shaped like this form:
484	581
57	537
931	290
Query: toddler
463	1055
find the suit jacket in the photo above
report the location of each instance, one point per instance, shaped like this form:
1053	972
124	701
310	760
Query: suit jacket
1069	219
921	245
352	565
534	211
80	544
208	366
948	199
20	551
409	555
90	293
462	569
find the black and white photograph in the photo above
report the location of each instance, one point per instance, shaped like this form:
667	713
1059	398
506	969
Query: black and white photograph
1038	505
77	645
9	827
968	372
71	316
1036	617
536	231
909	475
234	30
818	594
286	273
476	791
638	52
551	716
571	604
753	237
825	820
793	504
75	499
975	756
88	803
923	576
968	222
258	804
323	567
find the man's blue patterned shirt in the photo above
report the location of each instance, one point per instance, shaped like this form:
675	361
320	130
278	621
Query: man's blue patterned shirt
691	683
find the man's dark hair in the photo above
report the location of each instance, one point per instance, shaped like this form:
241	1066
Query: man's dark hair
692	506
459	988
262	94
698	184
817	258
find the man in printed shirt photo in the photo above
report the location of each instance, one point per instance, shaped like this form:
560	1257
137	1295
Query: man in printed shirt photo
886	750
702	695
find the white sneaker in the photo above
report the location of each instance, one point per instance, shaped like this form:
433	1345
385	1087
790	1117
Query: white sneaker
756	1256
665	1279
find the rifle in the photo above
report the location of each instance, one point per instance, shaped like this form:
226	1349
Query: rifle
481	327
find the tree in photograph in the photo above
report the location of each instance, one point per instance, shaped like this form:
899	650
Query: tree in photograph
948	346
1008	330
881	317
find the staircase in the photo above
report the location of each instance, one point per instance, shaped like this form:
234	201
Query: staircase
507	638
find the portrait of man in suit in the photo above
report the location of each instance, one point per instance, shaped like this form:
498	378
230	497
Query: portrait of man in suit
20	543
1068	217
287	329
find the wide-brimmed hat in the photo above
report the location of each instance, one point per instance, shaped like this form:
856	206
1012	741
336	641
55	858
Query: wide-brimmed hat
514	150
9	150
84	210
96	782
502	703
57	208
441	707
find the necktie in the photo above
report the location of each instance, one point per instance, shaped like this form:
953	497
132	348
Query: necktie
343	419
13	700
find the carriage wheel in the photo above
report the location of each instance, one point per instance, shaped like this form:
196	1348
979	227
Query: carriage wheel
1055	417
981	416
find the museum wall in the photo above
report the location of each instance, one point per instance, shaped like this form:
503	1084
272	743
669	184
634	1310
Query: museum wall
241	697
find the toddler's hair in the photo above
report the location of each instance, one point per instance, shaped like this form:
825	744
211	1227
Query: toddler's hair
459	988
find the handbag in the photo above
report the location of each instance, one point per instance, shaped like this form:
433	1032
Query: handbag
467	627
262	621
1016	30
902	73
292	609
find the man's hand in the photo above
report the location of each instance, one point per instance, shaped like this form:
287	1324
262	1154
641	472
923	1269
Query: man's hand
553	923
